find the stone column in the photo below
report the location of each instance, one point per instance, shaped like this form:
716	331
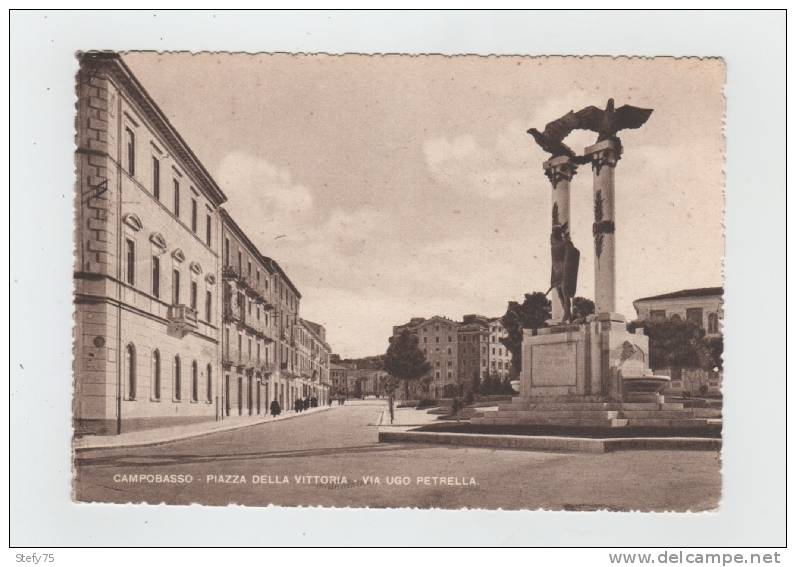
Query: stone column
604	157
559	170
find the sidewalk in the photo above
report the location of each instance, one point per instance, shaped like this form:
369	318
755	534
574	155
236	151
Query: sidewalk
165	434
407	417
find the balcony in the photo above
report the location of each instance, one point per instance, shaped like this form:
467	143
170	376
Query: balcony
233	310
182	319
267	367
230	273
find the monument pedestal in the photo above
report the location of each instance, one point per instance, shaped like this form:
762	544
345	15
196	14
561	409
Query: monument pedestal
593	374
578	360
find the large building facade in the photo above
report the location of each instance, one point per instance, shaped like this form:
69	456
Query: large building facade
178	317
147	271
249	333
286	299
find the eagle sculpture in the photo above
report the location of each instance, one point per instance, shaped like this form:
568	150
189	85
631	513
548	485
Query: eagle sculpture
550	140
610	121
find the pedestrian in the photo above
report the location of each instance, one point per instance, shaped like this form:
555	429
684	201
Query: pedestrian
307	403
391	404
297	405
275	409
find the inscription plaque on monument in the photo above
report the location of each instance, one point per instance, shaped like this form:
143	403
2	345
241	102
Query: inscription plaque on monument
554	364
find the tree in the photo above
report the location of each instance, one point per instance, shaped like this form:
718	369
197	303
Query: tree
405	360
715	346
582	307
676	343
531	314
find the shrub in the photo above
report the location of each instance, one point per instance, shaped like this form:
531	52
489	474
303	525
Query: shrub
426	403
455	406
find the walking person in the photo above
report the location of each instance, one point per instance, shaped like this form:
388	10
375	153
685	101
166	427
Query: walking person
275	409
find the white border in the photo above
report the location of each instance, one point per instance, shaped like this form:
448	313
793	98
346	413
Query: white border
41	134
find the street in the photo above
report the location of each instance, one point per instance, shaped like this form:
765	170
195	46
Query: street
332	458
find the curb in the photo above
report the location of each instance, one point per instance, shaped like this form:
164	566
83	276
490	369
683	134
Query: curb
192	435
552	444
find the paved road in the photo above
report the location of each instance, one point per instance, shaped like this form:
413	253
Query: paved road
341	443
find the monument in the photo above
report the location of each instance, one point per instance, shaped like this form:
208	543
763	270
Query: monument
592	371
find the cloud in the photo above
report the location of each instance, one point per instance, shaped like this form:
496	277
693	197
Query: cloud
494	171
264	195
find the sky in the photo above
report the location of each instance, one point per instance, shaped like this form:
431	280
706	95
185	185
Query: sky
391	187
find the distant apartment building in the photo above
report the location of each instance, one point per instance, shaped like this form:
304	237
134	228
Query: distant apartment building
352	382
499	357
702	306
473	365
338	372
315	360
249	329
147	269
461	354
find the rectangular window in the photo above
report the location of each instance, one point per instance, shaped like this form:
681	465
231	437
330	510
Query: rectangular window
155	276
156	178
194	292
208	306
209	232
240	262
250	269
130	139
226	251
130	262
176	198
694	315
658	315
175	287
194	216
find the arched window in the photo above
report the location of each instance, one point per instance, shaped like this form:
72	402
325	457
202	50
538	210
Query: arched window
194	382
209	383
713	323
130	364
130	141
177	379
156	375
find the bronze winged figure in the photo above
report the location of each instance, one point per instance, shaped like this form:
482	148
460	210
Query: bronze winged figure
610	121
550	140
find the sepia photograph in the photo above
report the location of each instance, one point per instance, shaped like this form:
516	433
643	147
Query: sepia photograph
397	278
397	281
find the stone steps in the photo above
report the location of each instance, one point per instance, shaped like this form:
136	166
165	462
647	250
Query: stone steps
585	411
658	414
589	406
590	414
662	422
550	420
